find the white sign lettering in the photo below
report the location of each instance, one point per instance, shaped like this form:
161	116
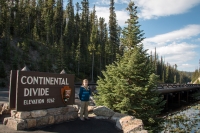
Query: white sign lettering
36	92
50	100
43	80
33	101
22	81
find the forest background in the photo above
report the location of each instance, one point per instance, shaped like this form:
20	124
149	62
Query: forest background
47	37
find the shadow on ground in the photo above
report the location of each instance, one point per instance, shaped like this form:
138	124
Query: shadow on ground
76	126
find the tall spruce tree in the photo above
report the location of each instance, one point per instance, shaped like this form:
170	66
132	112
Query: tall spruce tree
84	37
2	70
129	84
92	47
69	30
102	42
113	28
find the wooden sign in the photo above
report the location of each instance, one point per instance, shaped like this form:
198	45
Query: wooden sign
39	90
12	89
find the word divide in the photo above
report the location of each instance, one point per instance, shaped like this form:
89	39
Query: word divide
43	80
36	92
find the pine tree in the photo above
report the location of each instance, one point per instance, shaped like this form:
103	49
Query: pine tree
108	48
69	30
77	25
92	47
102	43
15	61
113	32
2	69
77	57
48	16
85	38
132	35
129	84
77	41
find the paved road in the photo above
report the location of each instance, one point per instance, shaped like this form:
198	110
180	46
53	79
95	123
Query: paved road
75	126
4	94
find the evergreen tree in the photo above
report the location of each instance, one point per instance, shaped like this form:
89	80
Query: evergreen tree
77	26
58	19
102	42
69	31
77	41
108	47
77	57
48	16
85	38
113	40
92	47
2	70
15	61
129	84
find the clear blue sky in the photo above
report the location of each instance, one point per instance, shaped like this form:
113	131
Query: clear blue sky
172	26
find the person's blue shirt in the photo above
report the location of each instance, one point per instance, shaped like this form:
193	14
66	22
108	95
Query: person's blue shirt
84	94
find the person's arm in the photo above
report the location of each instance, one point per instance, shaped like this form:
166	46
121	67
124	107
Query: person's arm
80	92
90	92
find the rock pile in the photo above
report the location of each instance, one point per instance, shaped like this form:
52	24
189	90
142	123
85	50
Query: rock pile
129	124
4	108
37	118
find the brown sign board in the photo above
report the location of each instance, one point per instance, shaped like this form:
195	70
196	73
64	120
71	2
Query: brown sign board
39	90
12	89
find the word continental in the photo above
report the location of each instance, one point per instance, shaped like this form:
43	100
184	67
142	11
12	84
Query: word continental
43	80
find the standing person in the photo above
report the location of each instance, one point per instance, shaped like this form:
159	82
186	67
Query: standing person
84	95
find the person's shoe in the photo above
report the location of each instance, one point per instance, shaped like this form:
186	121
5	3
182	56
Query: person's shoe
82	119
87	118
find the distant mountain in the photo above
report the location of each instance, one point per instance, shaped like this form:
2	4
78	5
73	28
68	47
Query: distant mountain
189	74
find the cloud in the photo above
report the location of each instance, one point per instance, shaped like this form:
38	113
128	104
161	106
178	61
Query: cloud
150	9
156	8
173	48
104	12
107	2
198	39
178	53
185	33
103	2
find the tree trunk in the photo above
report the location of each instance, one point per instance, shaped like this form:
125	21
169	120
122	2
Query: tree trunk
93	66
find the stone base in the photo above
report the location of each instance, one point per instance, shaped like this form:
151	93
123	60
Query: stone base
16	124
126	123
4	108
37	118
